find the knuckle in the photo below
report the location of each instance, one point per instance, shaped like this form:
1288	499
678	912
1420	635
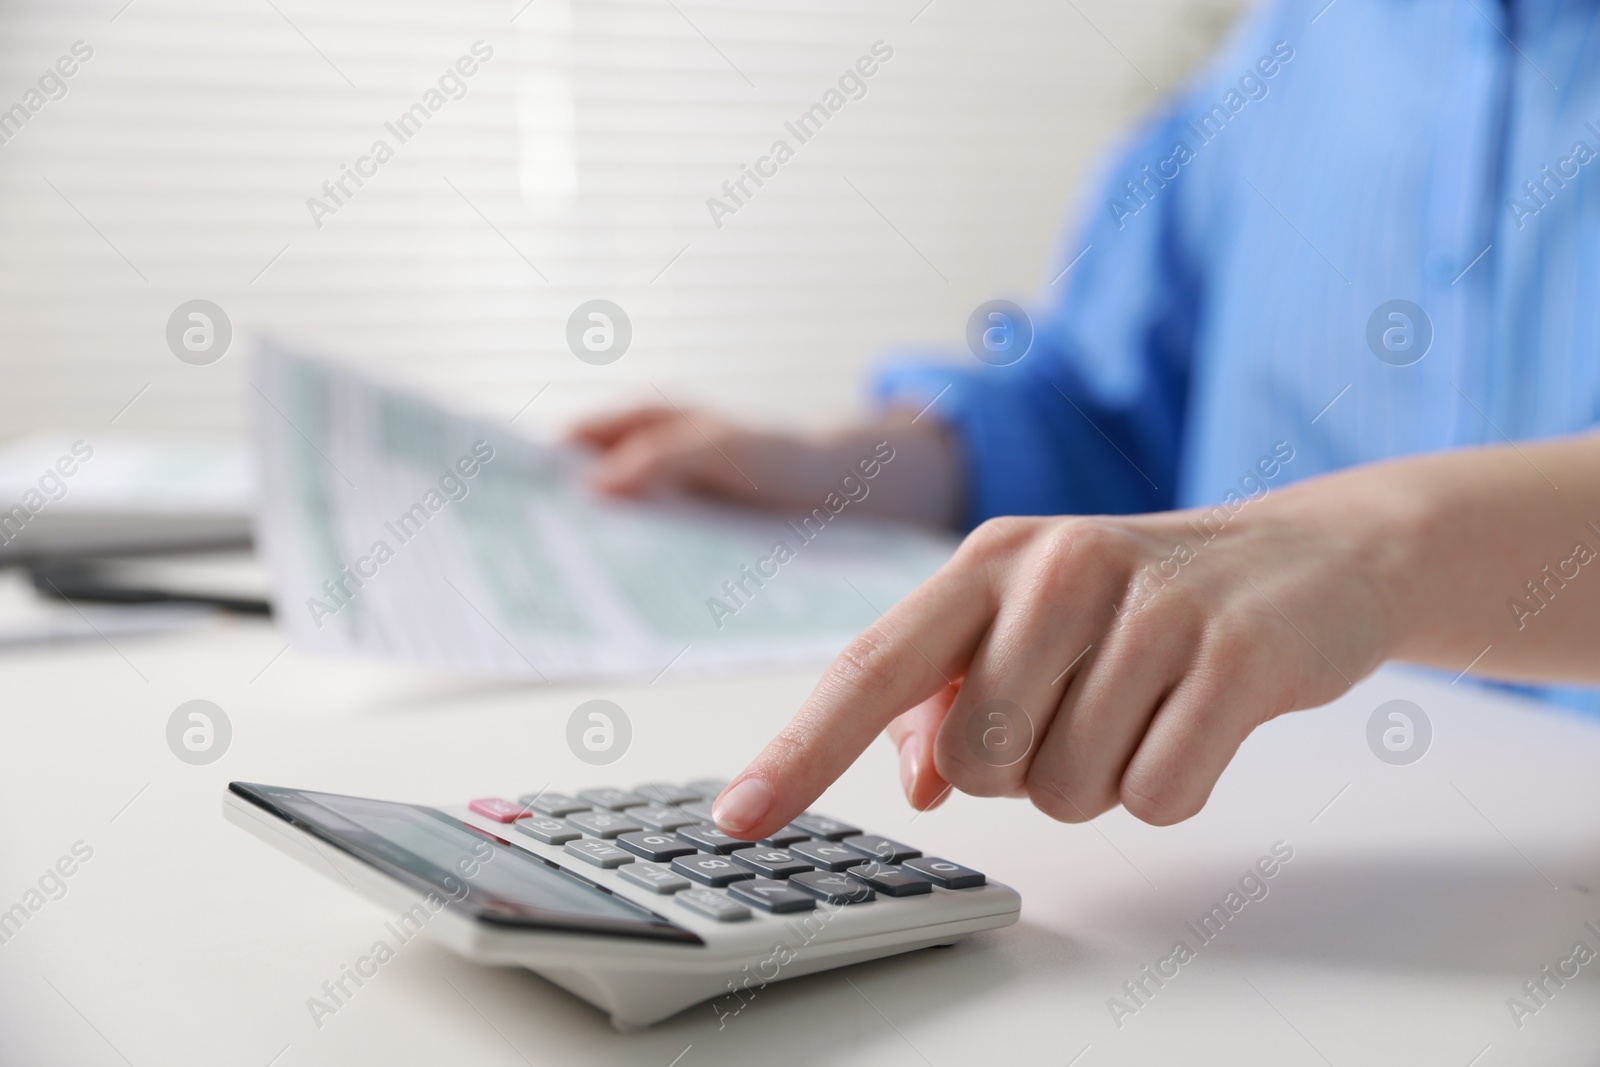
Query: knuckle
1065	804
1158	803
865	667
1000	536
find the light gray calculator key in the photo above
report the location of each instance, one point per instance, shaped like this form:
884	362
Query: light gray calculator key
715	871
710	788
613	799
656	877
661	817
769	895
825	828
832	888
666	793
710	839
770	862
944	873
604	824
881	848
544	828
555	804
713	904
602	853
829	855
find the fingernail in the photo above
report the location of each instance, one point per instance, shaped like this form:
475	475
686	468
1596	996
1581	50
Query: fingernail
742	806
908	765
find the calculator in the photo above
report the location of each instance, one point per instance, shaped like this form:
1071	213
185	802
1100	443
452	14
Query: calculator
631	898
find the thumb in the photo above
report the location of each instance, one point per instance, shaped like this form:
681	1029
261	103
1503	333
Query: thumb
913	733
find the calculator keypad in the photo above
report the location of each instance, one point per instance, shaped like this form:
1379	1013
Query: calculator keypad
660	836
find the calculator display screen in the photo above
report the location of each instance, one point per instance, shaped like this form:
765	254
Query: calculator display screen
459	865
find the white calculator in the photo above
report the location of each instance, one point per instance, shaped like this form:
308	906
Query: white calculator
631	899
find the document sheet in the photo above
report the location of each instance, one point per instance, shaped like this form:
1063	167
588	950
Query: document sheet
397	528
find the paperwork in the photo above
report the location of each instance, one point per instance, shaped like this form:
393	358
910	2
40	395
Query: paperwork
393	527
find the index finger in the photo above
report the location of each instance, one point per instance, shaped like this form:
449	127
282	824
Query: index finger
908	655
603	431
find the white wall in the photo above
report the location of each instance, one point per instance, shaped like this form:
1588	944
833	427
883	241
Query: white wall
179	162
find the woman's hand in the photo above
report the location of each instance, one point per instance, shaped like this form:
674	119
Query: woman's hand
1087	662
650	448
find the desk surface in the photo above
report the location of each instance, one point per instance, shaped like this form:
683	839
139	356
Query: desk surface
1418	900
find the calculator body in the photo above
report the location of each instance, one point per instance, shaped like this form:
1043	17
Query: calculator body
502	883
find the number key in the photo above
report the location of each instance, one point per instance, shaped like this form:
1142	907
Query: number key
710	839
832	888
772	862
825	828
714	871
890	880
944	873
880	848
654	846
614	799
769	895
829	855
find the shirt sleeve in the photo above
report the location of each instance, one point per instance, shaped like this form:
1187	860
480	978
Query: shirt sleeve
1090	420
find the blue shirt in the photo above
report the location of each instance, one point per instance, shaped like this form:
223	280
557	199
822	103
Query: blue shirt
1232	287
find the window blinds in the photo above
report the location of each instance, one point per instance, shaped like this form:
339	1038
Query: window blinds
538	155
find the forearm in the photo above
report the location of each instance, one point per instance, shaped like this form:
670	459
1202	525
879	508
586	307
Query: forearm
1493	549
922	483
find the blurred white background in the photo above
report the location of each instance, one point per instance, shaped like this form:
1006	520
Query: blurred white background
577	165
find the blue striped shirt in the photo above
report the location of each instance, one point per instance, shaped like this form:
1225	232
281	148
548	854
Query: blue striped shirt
1367	230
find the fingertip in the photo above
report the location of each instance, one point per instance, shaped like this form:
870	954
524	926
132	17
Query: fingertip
743	806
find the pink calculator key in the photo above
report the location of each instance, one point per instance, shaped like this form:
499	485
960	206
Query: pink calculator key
499	810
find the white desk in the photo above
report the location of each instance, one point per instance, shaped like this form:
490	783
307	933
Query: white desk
1417	902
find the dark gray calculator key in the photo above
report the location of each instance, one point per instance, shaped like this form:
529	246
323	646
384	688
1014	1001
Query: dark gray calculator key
768	895
829	855
710	839
889	879
553	804
666	793
710	788
946	874
606	824
716	871
710	903
544	828
602	853
614	799
832	888
881	848
654	845
654	876
785	837
700	809
661	817
825	828
771	862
